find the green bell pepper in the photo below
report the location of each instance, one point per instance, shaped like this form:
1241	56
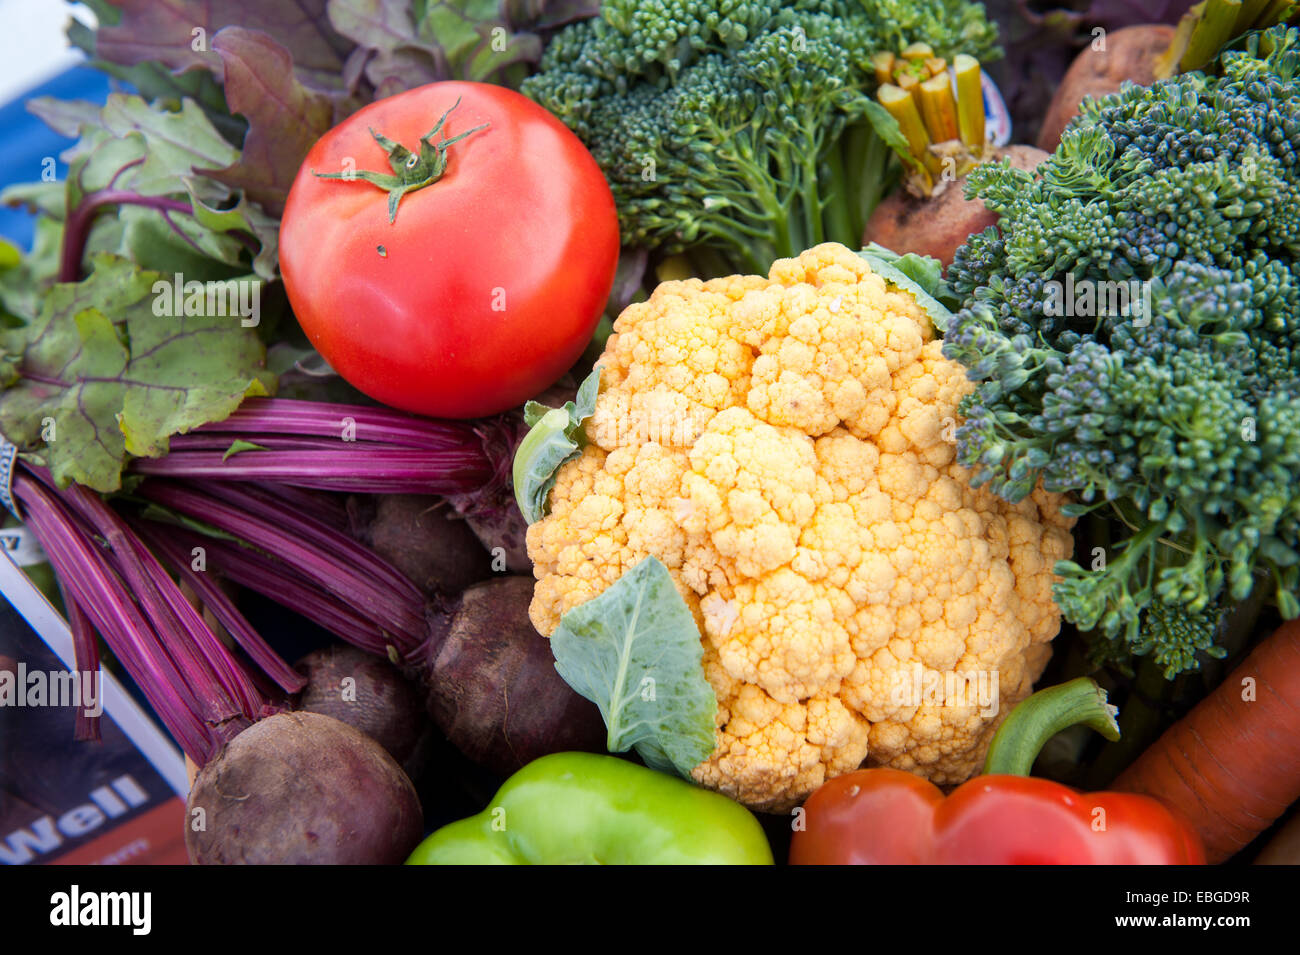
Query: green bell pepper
583	808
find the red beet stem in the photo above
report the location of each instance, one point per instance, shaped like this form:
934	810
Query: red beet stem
95	587
338	569
223	608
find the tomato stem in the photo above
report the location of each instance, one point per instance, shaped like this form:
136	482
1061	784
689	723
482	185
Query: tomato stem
411	171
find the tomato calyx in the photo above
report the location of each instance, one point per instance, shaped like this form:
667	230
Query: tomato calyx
411	171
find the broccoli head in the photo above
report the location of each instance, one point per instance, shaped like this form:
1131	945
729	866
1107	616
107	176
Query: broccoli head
740	128
1134	326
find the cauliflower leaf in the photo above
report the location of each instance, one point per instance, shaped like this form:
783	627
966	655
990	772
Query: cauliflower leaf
635	652
554	437
921	275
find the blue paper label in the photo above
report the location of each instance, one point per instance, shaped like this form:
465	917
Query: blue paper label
997	119
8	461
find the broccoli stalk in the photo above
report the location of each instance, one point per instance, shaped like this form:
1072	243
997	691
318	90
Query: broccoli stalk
740	133
1134	326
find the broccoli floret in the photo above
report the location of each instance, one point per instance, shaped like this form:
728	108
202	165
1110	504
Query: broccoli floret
1174	638
1170	400
740	127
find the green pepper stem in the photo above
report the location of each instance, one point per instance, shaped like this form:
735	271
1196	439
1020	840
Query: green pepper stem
1017	742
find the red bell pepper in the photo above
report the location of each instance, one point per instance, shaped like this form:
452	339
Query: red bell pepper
1005	817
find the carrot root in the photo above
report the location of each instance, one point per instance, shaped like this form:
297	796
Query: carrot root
1232	765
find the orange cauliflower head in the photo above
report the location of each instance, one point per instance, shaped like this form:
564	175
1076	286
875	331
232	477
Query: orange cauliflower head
785	445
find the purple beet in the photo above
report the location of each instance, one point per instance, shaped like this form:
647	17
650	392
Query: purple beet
366	692
302	789
424	538
493	686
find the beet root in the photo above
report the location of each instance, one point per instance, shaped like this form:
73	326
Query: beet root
424	538
368	693
302	789
1131	54
937	225
493	686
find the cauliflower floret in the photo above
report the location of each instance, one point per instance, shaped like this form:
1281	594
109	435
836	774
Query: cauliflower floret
786	447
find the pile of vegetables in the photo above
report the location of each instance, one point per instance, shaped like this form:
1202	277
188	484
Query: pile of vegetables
751	416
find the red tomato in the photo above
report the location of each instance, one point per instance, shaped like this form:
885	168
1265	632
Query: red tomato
488	283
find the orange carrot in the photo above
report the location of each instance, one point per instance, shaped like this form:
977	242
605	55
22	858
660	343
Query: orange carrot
1232	765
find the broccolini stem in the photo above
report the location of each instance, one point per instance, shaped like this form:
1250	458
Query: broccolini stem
840	225
744	249
776	211
872	172
796	226
853	149
815	234
1135	547
708	262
